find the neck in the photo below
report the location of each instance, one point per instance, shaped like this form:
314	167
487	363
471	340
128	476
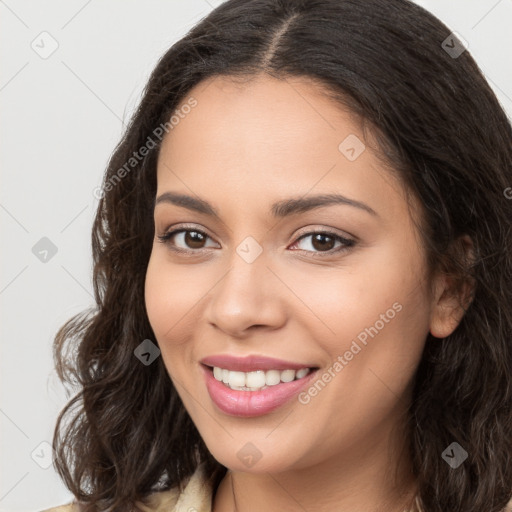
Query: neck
359	479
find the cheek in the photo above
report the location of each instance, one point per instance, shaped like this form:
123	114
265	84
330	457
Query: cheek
173	295
156	298
164	308
170	295
380	301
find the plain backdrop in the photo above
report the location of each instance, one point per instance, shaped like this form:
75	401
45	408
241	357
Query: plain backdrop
72	73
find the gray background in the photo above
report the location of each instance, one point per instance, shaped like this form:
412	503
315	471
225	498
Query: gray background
62	117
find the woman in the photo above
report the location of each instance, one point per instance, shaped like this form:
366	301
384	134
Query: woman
303	275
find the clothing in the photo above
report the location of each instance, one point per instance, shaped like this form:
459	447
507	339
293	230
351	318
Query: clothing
196	496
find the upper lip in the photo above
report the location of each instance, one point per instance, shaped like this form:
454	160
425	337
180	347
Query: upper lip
251	363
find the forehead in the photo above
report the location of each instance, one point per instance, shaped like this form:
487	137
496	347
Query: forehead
260	119
272	138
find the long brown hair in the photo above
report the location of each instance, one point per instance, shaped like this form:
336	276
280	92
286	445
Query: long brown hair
126	432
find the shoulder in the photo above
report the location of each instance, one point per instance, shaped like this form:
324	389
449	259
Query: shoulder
70	507
197	494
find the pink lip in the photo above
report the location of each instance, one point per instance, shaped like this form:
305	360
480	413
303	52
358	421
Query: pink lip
252	403
251	363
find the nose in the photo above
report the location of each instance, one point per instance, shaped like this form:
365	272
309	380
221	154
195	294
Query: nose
246	297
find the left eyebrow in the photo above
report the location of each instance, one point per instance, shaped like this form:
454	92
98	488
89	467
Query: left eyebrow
301	205
283	208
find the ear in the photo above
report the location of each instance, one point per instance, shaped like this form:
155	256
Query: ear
452	297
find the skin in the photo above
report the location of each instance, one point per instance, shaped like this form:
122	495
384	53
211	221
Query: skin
243	147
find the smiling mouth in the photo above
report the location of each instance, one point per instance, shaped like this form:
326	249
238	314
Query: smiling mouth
257	380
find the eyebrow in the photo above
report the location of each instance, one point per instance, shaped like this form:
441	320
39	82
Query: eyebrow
280	209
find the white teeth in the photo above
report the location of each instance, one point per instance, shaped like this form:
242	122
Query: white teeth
287	375
253	379
272	377
302	373
256	380
217	372
236	379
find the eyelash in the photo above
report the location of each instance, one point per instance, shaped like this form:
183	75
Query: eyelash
347	243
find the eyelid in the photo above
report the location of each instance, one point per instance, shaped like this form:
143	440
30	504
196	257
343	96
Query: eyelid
187	227
179	228
319	229
303	231
347	242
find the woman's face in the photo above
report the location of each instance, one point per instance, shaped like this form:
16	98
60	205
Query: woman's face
259	282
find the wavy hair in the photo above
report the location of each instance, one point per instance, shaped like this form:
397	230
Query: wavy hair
439	126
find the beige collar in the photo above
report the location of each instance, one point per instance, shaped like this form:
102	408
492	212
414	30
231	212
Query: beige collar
196	496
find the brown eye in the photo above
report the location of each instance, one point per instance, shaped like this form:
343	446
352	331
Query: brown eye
185	240
194	239
324	242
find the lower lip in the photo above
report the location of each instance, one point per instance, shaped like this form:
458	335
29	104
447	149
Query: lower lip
252	403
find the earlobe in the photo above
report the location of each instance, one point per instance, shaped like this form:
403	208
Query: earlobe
452	299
